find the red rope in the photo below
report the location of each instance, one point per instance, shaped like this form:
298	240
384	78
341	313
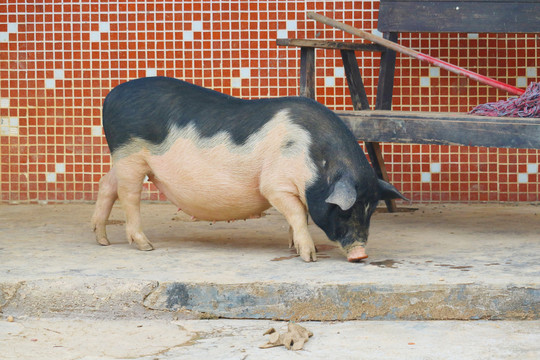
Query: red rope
525	105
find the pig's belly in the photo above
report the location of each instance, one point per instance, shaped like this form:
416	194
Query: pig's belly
209	189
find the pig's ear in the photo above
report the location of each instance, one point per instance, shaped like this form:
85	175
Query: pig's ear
389	192
343	195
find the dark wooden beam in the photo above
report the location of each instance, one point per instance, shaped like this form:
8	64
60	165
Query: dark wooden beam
307	72
443	129
323	44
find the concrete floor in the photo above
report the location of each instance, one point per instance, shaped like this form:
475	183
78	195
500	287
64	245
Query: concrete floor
440	262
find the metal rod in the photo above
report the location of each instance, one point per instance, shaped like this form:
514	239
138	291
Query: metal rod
416	54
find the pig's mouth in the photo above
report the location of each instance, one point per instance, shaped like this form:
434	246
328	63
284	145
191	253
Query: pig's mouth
355	250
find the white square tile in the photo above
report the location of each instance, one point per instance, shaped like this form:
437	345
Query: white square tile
531	72
187	35
291	25
50	83
339	72
4	36
282	34
521	81
472	35
104	27
58	74
376	32
426	177
60	168
329	81
523	178
4	102
51	177
13	28
13	121
245	73
236	82
197	26
434	72
435	168
96	130
95	36
424	81
151	72
532	168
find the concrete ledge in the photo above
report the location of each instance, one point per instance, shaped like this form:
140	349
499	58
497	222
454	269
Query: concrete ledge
437	263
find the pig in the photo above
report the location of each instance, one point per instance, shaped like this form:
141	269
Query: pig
219	158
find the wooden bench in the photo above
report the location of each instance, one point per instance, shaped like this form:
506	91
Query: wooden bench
383	125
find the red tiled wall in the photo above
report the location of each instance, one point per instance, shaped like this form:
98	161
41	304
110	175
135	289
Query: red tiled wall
60	59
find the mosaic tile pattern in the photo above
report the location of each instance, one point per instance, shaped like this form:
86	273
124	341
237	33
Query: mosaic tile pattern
58	60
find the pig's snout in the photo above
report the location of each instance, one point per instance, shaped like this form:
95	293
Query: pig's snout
357	253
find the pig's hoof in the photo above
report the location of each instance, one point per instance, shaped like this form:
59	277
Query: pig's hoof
103	241
308	255
356	254
145	247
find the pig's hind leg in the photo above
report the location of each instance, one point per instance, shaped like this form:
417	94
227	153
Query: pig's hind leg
107	195
130	173
296	214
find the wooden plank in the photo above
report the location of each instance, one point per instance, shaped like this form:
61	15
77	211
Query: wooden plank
459	16
307	72
443	129
323	44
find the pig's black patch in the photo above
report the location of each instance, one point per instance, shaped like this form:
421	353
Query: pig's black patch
147	108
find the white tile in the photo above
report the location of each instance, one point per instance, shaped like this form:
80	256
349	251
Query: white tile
13	28
245	73
472	35
104	27
96	130
51	177
4	102
236	82
60	168
531	72
13	121
376	32
95	36
435	168
339	72
532	168
282	34
58	74
291	25
434	71
4	36
151	72
4	130
50	83
197	26
426	177
329	81
424	81
187	35
521	81
523	178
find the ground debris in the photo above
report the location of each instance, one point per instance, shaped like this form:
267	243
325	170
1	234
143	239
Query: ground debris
294	339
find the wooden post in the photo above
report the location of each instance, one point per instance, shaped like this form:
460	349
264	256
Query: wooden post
360	102
307	72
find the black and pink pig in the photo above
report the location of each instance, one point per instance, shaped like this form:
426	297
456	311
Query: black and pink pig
222	158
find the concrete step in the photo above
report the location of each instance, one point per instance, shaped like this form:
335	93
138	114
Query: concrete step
436	263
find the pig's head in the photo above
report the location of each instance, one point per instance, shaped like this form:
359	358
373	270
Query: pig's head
342	208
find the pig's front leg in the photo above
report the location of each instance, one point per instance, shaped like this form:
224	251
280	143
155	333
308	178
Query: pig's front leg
295	212
130	173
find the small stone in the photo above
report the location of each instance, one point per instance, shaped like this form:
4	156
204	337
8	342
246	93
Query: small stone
10	318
